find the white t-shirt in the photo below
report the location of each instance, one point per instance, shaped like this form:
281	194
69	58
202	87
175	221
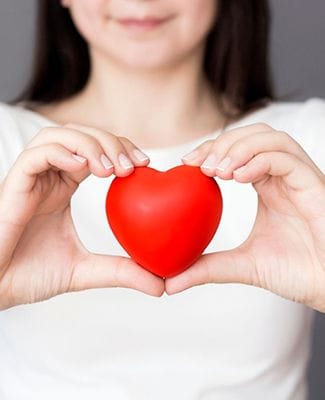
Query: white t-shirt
225	342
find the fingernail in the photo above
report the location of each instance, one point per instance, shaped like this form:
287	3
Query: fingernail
106	162
224	164
191	156
79	158
139	155
210	162
125	161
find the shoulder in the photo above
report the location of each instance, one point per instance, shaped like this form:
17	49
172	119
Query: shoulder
303	121
18	121
17	127
294	115
20	118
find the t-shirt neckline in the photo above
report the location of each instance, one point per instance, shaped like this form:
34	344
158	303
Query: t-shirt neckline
188	144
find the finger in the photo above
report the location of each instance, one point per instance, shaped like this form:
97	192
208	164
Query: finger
135	154
78	143
199	153
113	147
102	271
93	148
221	143
229	266
33	161
244	149
22	177
296	174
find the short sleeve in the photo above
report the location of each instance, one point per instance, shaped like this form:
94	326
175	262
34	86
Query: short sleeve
11	141
310	125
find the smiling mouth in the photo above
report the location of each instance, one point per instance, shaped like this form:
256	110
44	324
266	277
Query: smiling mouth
141	24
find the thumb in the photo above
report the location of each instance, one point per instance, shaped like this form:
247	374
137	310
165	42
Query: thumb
230	266
102	271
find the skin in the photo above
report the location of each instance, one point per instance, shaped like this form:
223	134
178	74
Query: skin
41	255
125	80
155	78
285	251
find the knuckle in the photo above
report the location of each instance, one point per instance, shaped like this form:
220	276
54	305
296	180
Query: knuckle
125	141
30	144
96	140
50	148
284	135
115	147
86	142
24	154
263	126
55	146
122	143
239	150
261	158
27	155
96	132
40	135
89	142
123	138
209	142
46	130
206	147
68	124
216	144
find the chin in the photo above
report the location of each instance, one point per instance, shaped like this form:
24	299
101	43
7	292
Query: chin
144	60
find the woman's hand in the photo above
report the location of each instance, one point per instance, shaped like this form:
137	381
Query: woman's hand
41	255
285	252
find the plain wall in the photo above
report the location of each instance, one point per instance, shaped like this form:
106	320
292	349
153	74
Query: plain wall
298	63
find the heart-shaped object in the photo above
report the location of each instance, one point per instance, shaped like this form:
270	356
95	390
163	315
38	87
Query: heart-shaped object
164	219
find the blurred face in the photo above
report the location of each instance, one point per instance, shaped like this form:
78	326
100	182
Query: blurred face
144	33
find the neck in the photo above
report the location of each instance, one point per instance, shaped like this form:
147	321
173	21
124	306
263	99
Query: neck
152	107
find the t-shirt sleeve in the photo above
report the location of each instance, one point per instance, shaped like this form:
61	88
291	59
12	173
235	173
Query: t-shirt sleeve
310	125
11	143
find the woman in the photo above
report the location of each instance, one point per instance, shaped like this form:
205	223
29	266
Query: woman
114	81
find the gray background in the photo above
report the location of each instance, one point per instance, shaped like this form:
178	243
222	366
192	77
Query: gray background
298	62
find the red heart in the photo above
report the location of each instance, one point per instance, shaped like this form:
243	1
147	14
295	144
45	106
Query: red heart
164	220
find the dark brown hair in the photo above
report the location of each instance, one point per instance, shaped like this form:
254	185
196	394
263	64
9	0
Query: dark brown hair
236	57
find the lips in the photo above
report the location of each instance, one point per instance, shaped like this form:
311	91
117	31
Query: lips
143	23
